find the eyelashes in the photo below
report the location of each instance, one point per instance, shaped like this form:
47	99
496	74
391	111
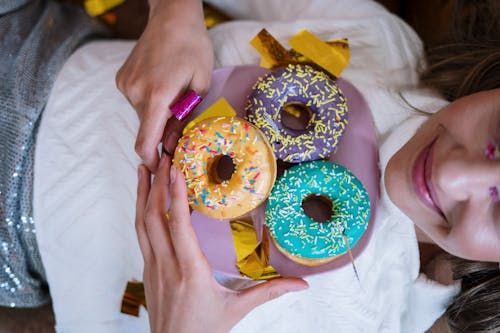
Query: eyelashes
492	152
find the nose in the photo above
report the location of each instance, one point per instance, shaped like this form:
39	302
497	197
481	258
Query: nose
462	176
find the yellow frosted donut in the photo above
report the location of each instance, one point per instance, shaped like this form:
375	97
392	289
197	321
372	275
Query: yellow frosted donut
228	164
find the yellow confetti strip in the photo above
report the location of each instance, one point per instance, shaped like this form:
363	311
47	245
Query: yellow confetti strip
252	258
331	56
98	7
221	108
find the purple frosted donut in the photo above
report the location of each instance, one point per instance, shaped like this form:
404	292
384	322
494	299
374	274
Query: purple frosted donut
314	92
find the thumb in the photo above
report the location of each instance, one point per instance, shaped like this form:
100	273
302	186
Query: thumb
261	293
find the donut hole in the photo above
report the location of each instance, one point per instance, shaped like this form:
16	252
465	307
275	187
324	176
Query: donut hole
318	207
221	168
282	166
296	116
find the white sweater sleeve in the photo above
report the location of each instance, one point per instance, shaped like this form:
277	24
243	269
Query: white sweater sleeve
287	10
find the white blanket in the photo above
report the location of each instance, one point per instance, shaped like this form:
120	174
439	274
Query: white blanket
85	181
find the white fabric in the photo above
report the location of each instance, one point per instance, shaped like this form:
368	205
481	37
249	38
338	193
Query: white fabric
85	181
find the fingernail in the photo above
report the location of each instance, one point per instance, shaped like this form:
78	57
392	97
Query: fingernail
165	151
172	140
166	143
173	174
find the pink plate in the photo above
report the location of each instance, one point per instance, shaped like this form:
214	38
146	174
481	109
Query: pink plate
358	151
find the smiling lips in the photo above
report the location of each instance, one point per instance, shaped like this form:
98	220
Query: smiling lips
422	184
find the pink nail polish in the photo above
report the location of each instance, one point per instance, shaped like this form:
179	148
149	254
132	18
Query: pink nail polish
185	104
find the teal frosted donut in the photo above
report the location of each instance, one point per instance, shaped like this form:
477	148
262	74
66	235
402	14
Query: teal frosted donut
299	237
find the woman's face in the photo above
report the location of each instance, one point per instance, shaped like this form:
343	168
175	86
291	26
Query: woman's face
446	178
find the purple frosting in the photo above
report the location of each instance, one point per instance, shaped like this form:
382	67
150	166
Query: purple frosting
314	90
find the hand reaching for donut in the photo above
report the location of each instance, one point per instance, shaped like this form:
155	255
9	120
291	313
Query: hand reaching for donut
174	54
181	293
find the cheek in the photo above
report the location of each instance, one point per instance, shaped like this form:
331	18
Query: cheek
396	181
473	241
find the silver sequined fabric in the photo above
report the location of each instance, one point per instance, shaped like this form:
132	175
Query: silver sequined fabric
36	37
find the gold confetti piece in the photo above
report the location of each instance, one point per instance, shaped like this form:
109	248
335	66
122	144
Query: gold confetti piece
330	56
220	108
98	7
293	109
272	52
252	258
133	298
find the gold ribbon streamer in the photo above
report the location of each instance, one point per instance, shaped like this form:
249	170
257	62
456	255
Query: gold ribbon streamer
133	298
331	56
252	258
99	7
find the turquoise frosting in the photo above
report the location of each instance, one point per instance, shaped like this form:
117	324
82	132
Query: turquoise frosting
299	234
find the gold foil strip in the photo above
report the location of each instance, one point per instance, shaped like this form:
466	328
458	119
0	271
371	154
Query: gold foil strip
272	52
133	298
252	258
330	56
98	7
219	109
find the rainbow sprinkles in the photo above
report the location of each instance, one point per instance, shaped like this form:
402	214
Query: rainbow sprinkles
312	90
300	237
199	155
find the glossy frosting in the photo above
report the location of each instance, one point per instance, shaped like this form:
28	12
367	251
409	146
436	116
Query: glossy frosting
254	166
299	234
303	85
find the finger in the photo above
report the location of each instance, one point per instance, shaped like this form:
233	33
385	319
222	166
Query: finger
126	83
143	187
156	220
171	135
201	83
155	115
259	294
184	238
149	136
119	81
